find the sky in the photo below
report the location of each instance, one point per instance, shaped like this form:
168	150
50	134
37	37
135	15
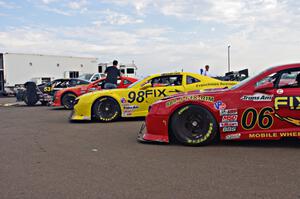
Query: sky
159	35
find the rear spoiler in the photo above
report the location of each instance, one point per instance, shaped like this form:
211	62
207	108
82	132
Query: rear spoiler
234	75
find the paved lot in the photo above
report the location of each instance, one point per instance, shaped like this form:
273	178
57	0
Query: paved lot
42	155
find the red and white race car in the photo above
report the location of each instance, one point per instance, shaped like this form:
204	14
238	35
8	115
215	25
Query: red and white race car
67	96
264	107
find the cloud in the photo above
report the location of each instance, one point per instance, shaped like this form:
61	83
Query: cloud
76	5
7	5
115	18
184	34
49	1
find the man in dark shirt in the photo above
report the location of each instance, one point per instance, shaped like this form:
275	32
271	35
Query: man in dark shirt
112	74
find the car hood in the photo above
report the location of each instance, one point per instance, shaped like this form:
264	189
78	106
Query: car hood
197	92
101	92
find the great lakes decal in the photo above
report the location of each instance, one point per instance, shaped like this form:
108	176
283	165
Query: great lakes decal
190	98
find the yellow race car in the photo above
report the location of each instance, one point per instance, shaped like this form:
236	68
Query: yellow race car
134	101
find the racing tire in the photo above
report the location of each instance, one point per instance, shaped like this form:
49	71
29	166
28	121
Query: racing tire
193	125
44	103
106	109
31	96
68	100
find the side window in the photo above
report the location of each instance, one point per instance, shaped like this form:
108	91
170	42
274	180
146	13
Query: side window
126	82
166	81
99	84
191	80
289	79
96	77
80	82
267	80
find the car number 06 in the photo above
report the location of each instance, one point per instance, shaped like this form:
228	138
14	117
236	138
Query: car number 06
264	118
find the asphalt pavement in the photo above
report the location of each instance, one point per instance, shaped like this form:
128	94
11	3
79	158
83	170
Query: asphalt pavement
44	156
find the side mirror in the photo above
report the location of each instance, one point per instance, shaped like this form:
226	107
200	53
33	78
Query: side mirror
145	86
264	87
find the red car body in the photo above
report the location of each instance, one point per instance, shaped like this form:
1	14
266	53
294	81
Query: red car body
264	107
83	89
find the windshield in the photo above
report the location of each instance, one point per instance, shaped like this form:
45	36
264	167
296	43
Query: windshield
137	82
85	76
245	81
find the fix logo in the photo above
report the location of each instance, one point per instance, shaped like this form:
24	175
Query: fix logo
293	102
140	96
219	105
257	98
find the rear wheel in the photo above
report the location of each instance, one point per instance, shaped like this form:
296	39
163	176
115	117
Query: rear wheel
106	109
31	96
193	125
68	100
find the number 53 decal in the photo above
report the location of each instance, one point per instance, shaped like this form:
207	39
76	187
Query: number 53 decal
263	119
47	89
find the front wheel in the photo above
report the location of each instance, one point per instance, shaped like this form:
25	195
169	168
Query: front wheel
68	100
106	109
193	125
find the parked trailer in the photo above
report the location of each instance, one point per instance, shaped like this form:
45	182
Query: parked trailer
17	68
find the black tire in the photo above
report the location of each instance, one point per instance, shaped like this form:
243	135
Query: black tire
44	103
106	109
193	125
67	100
31	97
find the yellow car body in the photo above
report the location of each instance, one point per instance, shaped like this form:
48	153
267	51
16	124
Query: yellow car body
135	100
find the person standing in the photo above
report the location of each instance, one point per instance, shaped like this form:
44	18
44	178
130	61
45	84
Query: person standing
112	74
206	71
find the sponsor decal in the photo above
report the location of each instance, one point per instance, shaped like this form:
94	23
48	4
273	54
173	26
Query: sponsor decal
228	124
257	98
140	96
292	103
229	129
228	112
233	136
221	84
123	100
274	135
279	91
190	98
131	107
219	105
229	118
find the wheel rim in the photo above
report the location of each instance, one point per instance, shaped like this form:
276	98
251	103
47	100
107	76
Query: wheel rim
196	124
69	101
107	109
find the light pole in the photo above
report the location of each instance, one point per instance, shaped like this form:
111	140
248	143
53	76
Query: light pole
228	48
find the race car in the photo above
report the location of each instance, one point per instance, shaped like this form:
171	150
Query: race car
134	101
264	107
67	96
31	93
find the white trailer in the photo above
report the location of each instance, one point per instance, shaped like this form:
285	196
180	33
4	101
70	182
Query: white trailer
16	68
127	70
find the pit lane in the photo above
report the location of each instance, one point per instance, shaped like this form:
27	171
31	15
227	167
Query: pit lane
42	155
